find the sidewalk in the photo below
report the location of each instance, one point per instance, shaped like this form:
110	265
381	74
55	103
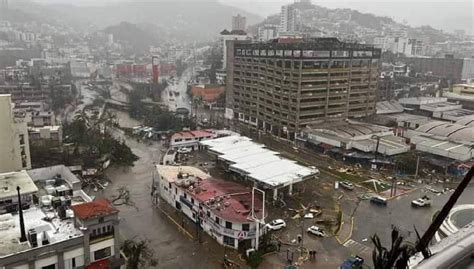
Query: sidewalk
345	231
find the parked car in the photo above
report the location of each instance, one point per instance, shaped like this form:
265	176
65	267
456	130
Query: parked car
346	185
421	202
316	231
378	200
308	216
276	225
184	150
355	262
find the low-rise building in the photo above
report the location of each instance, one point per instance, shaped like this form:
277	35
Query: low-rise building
462	93
190	139
408	121
453	115
209	94
388	107
450	140
222	209
8	196
364	137
253	162
46	135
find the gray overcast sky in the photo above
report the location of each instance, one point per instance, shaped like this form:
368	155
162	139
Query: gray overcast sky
447	15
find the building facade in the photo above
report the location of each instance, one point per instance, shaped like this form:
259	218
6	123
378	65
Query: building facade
239	23
288	19
267	32
282	87
14	144
222	209
189	139
227	36
89	240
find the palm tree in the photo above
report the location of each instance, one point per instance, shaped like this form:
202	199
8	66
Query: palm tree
395	257
400	251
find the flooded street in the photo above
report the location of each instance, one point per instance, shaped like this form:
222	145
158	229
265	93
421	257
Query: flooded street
172	248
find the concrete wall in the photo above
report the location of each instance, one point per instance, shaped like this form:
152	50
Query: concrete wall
10	147
468	69
216	230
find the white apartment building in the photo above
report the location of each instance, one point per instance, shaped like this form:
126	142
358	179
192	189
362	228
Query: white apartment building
230	36
288	18
14	144
190	139
221	208
267	32
409	46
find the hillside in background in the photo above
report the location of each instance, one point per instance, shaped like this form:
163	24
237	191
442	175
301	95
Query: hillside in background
183	20
354	25
132	34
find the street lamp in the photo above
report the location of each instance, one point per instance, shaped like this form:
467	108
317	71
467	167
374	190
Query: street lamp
253	216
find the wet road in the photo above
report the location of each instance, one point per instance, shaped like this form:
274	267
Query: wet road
175	94
370	219
172	249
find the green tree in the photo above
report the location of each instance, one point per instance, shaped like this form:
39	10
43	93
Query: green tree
92	134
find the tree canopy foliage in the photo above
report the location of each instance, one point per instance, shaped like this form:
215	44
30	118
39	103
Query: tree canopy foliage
92	134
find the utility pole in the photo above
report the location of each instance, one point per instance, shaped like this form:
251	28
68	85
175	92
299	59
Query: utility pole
376	148
417	165
257	220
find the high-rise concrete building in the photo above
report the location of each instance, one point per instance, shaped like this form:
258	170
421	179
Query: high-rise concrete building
288	18
239	23
281	87
229	36
14	144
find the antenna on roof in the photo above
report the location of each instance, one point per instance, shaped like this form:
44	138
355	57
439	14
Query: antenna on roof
20	212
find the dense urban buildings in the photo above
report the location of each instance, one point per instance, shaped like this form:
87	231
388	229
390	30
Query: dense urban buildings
282	87
14	144
225	37
58	225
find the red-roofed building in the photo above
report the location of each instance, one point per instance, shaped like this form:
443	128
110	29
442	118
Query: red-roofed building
190	139
94	209
222	208
99	222
208	93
